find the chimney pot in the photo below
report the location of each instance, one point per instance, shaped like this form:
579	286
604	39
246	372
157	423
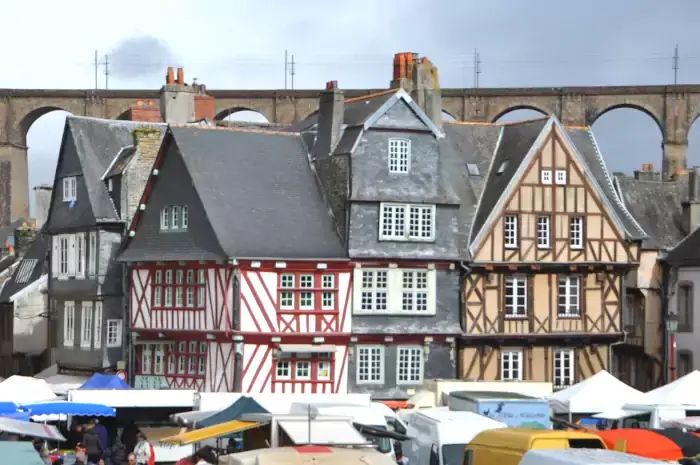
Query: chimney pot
150	103
139	103
180	76
331	85
170	77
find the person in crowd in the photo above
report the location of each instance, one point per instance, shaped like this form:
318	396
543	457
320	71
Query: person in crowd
93	445
118	452
143	450
104	438
205	457
129	437
80	454
131	459
189	460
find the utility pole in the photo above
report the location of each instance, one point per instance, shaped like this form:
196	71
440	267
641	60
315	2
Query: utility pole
477	69
106	63
676	60
285	68
292	70
97	68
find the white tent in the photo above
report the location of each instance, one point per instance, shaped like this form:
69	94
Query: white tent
684	391
25	390
599	393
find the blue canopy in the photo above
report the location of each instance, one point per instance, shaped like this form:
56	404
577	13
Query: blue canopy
21	416
100	381
69	408
8	407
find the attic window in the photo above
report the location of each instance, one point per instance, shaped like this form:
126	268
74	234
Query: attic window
69	189
502	168
473	169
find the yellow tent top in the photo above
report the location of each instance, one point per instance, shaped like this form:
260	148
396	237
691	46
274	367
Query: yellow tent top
211	432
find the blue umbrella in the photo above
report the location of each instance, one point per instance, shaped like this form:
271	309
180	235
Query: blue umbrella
69	408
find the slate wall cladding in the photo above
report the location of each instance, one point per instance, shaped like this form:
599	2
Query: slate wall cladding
5	192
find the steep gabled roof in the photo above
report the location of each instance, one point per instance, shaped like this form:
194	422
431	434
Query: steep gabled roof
30	268
686	252
97	143
258	191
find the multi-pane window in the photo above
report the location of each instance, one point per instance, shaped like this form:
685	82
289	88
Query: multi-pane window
394	291
510	231
284	369
420	218
303	370
68	324
543	233
69	255
399	155
560	177
92	253
685	306
563	368
70	189
374	287
576	232
114	333
313	367
370	364
179	288
414	293
98	325
569	296
516	296
546	176
307	291
64	250
511	365
174	218
86	324
409	365
186	358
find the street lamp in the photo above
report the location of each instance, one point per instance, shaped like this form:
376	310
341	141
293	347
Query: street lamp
671	328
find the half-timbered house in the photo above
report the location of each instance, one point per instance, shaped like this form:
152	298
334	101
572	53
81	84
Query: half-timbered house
389	185
101	171
238	280
549	246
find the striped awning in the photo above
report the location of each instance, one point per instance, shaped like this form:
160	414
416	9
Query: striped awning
198	435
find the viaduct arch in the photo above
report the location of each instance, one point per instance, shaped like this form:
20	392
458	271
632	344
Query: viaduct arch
674	108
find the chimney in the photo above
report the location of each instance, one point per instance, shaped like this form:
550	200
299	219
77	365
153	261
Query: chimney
427	93
170	77
691	207
147	142
42	202
331	109
144	111
177	99
204	104
647	173
403	71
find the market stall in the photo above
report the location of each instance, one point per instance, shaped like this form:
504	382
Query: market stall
23	389
35	430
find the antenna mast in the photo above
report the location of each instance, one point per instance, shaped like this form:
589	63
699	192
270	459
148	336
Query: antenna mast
675	66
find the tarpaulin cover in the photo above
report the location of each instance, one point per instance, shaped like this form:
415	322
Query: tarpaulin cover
100	381
243	406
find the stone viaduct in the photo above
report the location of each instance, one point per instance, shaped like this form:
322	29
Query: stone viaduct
674	108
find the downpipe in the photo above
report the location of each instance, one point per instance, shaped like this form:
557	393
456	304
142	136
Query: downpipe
462	316
610	351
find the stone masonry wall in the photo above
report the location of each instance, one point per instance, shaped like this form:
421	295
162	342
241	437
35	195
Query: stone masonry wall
147	142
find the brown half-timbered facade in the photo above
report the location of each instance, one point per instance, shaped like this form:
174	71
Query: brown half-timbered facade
550	246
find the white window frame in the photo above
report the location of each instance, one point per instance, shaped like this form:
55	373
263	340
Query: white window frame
576	229
147	359
302	364
86	325
159	361
165	218
399	156
513	356
80	253
320	376
510	231
306	292
97	321
563	357
403	374
546	176
284	365
70	189
544	232
371	351
184	218
92	254
571	287
388	300
519	285
328	296
395	222
69	253
560	177
69	324
114	333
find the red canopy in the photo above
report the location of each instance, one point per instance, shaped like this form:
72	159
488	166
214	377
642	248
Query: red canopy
643	442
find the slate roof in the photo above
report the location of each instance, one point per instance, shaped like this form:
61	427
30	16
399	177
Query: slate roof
30	268
657	207
259	193
687	251
98	142
120	162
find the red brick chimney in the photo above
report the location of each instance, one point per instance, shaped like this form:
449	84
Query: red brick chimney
144	111
647	173
180	77
170	76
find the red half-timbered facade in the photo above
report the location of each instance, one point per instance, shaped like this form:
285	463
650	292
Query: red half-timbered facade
182	314
295	320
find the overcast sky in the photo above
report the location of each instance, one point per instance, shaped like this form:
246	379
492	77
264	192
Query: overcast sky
234	44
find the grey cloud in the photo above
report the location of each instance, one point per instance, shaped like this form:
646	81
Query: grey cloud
140	57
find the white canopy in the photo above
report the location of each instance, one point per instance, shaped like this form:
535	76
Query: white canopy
684	391
135	398
25	428
599	393
25	390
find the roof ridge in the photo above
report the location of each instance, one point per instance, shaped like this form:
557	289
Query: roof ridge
370	96
529	120
237	129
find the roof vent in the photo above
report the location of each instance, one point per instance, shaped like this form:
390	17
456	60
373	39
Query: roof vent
473	169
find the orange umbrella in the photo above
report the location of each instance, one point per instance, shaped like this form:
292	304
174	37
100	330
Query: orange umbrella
643	442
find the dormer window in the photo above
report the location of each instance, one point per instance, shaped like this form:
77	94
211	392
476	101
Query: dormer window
70	189
174	218
399	155
473	169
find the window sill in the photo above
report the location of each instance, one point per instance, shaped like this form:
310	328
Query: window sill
515	317
409	383
407	239
195	309
323	311
368	383
69	345
180	230
544	247
576	247
113	346
400	313
569	316
510	246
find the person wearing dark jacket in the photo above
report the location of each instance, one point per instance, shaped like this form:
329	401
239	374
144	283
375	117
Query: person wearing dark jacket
119	456
91	441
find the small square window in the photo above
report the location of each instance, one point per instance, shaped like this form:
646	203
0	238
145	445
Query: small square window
399	155
561	177
546	177
69	189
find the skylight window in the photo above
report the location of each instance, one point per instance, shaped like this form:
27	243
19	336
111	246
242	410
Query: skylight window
473	169
25	270
502	168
